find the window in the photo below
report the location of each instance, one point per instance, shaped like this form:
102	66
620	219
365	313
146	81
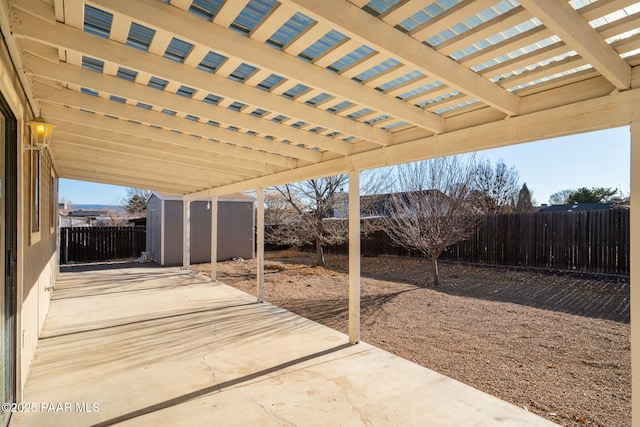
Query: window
35	195
53	203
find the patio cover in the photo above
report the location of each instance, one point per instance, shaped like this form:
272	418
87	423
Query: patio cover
185	96
208	97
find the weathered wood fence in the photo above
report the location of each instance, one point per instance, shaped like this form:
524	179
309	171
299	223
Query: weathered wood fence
589	241
91	244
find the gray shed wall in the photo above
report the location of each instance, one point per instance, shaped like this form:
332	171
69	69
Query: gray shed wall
154	224
235	231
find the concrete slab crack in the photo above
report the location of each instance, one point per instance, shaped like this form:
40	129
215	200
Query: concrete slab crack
204	362
266	411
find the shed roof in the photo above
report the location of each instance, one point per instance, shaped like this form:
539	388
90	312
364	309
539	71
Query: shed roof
198	97
226	197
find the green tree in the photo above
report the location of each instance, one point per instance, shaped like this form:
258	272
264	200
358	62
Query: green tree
591	195
135	202
524	203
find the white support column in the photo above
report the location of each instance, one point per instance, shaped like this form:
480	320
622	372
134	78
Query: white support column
260	244
214	238
634	308
354	257
186	235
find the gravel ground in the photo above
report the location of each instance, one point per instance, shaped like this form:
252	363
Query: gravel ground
555	344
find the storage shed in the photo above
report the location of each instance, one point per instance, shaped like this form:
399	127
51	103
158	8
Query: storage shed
164	228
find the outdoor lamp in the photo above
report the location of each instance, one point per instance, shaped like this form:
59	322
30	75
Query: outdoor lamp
40	132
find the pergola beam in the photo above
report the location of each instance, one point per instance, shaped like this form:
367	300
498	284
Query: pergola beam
101	161
70	74
594	114
449	18
575	31
229	11
78	101
72	170
95	126
120	145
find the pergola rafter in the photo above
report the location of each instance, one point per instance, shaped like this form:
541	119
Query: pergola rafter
575	31
360	25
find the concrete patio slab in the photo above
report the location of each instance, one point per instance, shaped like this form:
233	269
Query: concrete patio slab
162	346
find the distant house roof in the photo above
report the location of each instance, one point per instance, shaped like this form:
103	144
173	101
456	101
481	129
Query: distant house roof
380	204
88	213
575	207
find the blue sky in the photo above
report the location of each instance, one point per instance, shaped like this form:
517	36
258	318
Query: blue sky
596	159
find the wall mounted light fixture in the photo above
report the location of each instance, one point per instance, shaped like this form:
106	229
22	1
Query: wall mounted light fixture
41	132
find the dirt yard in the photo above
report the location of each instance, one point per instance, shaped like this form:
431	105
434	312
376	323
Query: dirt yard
554	344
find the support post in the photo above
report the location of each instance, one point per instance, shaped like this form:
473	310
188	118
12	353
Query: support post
214	238
186	235
635	272
260	244
354	257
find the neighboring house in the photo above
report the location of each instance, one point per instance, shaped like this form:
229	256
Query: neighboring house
87	218
92	217
140	221
164	228
340	205
379	205
576	207
73	222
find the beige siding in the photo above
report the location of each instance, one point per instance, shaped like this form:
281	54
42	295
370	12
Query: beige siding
37	263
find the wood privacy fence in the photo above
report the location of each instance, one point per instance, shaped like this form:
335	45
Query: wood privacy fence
91	244
588	241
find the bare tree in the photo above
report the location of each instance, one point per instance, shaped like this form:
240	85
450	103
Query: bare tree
277	210
115	219
560	198
435	209
311	203
315	211
496	186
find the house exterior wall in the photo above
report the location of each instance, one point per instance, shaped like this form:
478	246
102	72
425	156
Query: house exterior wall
36	255
235	231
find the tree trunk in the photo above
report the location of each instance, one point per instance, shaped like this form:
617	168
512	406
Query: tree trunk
319	253
434	265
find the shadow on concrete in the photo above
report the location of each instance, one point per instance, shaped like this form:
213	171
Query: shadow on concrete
106	265
218	387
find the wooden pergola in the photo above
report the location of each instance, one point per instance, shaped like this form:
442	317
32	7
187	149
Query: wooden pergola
208	97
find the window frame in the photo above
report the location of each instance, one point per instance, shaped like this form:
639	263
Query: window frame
53	220
35	193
